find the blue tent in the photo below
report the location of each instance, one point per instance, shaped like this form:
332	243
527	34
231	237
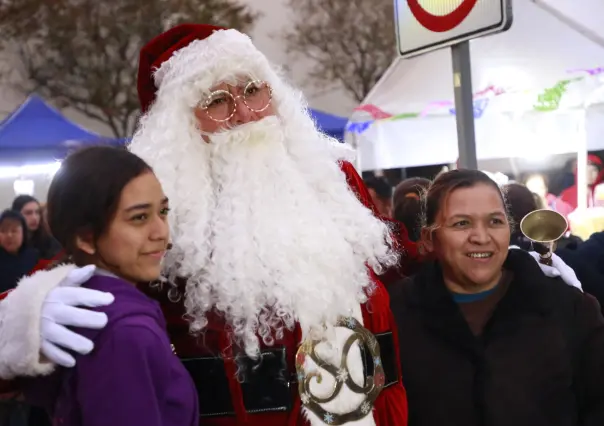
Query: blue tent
332	125
36	132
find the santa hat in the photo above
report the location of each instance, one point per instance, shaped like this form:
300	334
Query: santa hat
189	52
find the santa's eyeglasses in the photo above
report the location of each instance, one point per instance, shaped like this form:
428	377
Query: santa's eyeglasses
220	105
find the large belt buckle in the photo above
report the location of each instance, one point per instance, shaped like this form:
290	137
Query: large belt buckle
374	383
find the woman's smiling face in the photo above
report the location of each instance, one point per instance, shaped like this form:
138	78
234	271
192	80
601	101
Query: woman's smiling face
472	237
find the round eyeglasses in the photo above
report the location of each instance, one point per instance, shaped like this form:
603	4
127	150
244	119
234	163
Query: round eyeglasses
221	105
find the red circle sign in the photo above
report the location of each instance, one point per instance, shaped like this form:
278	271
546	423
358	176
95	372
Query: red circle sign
441	23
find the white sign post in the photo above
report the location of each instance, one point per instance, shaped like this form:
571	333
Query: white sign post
426	25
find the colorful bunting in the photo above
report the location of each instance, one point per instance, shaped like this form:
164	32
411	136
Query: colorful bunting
548	100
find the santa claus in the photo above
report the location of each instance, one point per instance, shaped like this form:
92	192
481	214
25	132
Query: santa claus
270	290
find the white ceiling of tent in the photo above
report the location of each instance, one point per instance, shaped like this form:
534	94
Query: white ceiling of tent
588	13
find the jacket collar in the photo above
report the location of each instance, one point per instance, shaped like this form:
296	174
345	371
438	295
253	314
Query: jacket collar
526	291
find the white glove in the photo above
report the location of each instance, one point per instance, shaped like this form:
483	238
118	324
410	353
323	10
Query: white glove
558	269
60	310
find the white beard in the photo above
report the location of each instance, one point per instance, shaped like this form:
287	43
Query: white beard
287	240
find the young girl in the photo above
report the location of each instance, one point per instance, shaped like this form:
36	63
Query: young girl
107	209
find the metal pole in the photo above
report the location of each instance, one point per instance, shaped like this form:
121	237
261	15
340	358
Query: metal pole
464	105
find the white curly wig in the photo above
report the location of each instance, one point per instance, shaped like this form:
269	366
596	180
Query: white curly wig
264	226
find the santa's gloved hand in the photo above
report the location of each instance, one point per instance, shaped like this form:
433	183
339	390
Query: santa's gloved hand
558	269
62	309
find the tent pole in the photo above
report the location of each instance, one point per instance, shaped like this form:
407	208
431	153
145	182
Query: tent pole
571	23
464	105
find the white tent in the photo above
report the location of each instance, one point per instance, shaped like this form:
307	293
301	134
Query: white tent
516	75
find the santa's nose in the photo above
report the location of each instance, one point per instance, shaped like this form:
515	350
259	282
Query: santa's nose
242	114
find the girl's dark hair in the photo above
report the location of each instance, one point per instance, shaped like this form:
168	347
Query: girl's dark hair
521	201
380	185
84	194
21	200
448	182
408	205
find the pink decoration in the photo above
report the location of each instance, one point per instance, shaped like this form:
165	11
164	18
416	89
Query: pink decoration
375	112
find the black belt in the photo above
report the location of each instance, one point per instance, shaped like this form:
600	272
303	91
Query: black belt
267	384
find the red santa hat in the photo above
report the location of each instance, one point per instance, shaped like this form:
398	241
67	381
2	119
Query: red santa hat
159	50
195	54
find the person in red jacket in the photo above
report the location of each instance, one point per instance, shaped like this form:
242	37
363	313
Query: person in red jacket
274	257
595	176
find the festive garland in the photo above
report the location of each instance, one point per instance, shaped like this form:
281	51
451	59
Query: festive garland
548	100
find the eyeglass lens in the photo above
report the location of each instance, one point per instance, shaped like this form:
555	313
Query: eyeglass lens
221	103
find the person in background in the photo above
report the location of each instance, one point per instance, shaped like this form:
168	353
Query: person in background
381	194
108	210
407	204
39	237
538	185
595	176
485	336
17	258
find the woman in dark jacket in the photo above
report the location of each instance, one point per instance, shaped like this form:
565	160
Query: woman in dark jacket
485	337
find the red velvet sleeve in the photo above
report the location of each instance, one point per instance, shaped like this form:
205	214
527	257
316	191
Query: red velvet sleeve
391	405
45	263
410	257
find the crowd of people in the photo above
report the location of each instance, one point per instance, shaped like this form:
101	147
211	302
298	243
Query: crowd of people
290	292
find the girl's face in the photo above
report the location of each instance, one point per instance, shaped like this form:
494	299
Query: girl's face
472	238
137	237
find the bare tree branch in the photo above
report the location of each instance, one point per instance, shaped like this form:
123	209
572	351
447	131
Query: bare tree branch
84	53
351	42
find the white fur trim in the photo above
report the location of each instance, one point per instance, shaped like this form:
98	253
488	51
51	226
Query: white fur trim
347	400
20	318
223	55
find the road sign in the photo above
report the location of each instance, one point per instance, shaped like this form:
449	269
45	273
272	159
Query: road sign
425	25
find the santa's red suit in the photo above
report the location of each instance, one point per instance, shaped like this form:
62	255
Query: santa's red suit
176	70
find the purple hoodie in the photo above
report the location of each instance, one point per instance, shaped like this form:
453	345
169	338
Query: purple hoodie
131	378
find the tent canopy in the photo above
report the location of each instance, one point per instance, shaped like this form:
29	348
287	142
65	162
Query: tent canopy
38	132
531	87
331	125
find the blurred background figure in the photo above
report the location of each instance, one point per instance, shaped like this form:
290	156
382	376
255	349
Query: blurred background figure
594	178
17	258
37	231
381	194
408	206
